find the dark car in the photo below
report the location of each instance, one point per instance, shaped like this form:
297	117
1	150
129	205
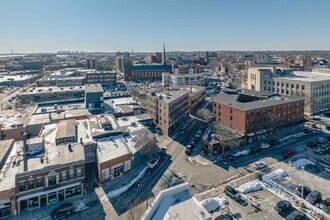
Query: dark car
306	190
225	217
318	168
325	205
283	205
228	158
274	142
314	197
296	215
63	210
255	149
287	154
231	192
312	144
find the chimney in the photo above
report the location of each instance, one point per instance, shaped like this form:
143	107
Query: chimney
81	140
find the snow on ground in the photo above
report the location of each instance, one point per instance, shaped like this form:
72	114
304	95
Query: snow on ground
49	133
277	174
293	136
212	204
301	163
79	206
243	152
117	192
252	186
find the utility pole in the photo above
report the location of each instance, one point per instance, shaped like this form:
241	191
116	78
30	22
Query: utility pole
302	183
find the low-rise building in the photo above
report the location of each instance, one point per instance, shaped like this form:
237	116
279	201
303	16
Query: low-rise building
66	132
169	79
101	77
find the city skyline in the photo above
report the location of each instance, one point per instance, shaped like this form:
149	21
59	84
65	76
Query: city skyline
110	26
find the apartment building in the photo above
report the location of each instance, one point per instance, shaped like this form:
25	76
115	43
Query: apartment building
101	77
167	108
248	112
313	86
145	72
169	79
188	69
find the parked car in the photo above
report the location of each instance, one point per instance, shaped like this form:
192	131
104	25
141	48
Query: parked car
314	197
153	162
264	145
306	190
63	210
325	205
296	215
259	165
288	153
255	149
228	158
318	168
312	144
282	206
188	149
231	192
319	151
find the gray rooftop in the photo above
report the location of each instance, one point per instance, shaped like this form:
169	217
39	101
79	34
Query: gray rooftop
263	102
93	88
171	96
66	128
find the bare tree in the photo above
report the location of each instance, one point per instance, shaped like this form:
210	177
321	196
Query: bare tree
204	114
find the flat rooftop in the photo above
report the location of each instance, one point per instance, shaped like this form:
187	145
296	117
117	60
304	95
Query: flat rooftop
176	203
263	102
171	96
66	128
9	78
54	89
54	154
4	147
307	76
110	148
93	88
59	107
11	119
95	123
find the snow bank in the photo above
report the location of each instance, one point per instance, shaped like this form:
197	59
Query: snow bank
302	162
279	173
244	152
251	186
212	204
117	192
293	136
81	206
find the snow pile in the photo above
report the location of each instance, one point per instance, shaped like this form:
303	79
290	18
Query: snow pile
277	174
81	206
293	136
251	186
117	192
301	163
214	203
244	152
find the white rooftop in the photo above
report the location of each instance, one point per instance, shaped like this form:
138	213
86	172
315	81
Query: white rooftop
110	148
307	76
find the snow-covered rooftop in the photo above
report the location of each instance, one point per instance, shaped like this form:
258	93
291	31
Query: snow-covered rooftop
111	147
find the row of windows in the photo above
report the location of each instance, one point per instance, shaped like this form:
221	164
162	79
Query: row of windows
49	180
287	85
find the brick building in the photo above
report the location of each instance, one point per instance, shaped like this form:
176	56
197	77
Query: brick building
248	112
145	72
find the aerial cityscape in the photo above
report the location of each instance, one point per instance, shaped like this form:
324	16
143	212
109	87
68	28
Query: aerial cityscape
173	110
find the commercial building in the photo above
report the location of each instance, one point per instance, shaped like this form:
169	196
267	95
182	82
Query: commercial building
145	72
248	112
188	69
12	125
91	63
17	80
167	108
313	86
120	63
101	77
114	157
169	79
93	96
61	82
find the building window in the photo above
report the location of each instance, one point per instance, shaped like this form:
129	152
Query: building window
30	184
78	172
63	175
71	174
21	186
302	87
127	165
105	174
52	180
39	182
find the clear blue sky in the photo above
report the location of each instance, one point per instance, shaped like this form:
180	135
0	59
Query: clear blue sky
143	25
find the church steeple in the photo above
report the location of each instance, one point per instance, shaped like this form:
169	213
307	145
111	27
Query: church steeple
164	55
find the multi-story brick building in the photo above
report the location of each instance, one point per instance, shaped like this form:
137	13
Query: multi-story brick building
247	112
167	108
188	69
145	72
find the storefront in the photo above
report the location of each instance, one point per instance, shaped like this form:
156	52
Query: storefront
45	198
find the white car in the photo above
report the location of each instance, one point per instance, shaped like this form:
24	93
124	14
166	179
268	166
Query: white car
259	165
264	145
